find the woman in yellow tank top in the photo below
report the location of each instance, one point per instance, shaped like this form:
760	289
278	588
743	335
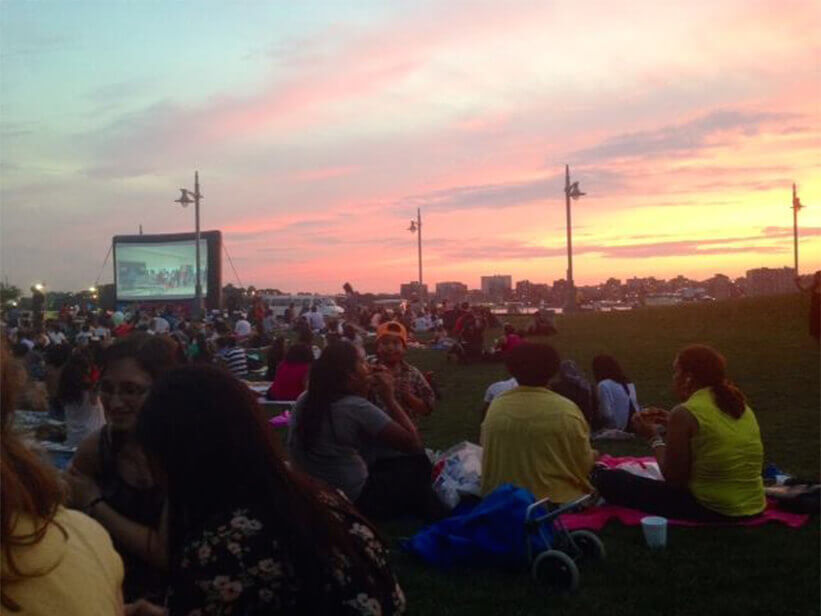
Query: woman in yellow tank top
711	457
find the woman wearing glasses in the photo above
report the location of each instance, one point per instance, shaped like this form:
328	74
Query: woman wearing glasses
109	475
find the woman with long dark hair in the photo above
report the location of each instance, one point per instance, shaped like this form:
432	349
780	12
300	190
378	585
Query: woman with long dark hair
109	475
333	422
616	394
54	560
711	456
246	535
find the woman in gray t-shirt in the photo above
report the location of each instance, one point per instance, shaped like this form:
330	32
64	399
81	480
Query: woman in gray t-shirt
333	421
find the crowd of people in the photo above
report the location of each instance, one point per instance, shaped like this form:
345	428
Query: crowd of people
179	497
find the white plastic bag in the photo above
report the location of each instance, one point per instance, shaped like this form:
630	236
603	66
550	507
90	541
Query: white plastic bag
458	471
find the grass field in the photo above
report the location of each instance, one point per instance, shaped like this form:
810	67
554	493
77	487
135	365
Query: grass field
766	570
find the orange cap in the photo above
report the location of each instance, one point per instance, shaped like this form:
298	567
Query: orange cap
393	328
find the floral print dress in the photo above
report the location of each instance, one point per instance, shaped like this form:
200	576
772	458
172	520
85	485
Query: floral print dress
237	565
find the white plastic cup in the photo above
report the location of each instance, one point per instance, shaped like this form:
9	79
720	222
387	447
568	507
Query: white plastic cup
655	531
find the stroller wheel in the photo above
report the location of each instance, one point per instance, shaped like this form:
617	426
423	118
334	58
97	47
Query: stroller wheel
555	569
589	544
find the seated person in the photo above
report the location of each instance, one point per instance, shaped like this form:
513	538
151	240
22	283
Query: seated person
616	394
79	398
712	456
470	341
291	376
534	438
406	476
232	356
275	354
412	389
110	477
352	336
494	390
542	324
332	422
572	385
54	560
252	536
506	343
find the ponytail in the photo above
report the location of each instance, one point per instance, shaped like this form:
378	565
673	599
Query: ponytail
707	368
729	399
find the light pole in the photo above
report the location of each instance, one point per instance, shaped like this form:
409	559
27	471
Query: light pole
571	191
416	227
187	197
796	205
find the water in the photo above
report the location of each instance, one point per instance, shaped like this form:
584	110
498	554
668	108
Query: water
525	310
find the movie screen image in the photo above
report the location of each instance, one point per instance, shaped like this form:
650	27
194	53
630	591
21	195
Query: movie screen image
160	270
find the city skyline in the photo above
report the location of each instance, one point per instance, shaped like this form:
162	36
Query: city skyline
319	130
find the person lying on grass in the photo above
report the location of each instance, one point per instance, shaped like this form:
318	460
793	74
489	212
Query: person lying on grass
711	456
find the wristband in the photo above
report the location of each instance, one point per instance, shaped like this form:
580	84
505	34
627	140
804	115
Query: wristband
657	442
87	509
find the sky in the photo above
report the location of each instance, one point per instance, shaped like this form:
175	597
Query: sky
319	128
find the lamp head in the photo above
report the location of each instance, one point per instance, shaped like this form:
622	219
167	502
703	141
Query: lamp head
184	199
573	191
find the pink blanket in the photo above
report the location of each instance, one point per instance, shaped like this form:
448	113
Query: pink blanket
280	421
596	517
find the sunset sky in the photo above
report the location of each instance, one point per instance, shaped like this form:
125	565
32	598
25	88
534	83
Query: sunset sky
318	128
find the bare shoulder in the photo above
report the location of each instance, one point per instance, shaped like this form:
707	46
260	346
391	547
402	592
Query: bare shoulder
682	418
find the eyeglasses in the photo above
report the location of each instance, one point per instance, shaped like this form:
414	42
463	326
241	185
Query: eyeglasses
124	389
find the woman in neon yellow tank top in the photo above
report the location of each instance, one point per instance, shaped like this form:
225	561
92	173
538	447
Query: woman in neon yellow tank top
711	457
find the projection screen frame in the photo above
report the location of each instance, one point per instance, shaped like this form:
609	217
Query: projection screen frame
213	239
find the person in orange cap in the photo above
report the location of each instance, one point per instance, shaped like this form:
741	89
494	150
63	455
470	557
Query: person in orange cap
403	479
413	391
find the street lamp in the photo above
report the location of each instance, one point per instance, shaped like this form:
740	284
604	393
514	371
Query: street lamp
186	198
796	205
416	226
571	191
38	300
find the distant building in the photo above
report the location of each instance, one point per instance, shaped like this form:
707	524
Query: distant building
766	281
721	287
453	292
497	286
412	290
475	296
560	289
612	289
527	291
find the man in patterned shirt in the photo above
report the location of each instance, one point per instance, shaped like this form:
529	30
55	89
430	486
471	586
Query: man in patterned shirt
413	391
403	479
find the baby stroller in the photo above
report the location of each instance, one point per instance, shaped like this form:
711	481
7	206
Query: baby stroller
509	529
557	566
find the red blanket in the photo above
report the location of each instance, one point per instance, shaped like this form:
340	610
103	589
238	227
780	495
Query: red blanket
595	518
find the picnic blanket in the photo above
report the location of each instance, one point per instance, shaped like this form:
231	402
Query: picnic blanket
595	518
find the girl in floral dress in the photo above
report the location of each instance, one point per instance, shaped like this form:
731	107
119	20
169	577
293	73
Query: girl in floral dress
246	534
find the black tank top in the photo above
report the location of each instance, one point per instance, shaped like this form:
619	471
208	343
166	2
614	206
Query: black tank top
142	505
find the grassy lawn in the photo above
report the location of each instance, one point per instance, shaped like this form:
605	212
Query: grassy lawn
767	570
